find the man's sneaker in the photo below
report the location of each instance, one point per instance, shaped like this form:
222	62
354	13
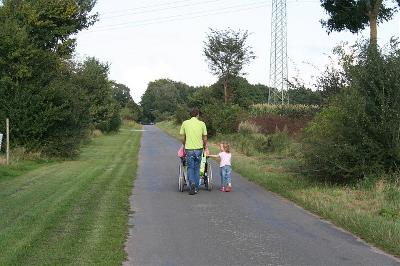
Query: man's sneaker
222	189
196	190
228	189
192	190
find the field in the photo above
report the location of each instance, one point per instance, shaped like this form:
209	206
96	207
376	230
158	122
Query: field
367	209
69	212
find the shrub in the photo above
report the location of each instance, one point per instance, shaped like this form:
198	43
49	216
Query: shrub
279	141
336	145
222	119
358	133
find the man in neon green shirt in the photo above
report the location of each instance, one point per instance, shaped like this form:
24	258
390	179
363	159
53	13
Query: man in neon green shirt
194	134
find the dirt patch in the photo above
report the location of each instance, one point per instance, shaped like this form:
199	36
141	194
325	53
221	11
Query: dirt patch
270	123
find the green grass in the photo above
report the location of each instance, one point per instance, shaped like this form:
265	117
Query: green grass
370	212
70	212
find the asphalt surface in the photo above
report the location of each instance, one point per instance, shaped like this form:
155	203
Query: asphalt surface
249	226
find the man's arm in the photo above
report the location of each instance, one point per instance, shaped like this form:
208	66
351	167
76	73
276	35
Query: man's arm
183	134
205	141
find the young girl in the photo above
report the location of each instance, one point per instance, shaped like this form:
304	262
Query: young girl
225	167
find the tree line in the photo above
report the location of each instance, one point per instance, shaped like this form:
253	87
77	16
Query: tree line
53	101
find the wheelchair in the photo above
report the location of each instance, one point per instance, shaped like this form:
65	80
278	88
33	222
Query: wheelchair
206	174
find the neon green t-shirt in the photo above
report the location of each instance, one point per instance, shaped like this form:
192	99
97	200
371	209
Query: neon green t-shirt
194	129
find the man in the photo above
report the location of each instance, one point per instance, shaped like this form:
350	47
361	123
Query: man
194	134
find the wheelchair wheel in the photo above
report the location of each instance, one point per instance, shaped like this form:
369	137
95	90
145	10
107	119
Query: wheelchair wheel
209	177
181	178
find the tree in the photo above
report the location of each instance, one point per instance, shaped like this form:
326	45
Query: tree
92	78
160	100
300	94
50	24
129	109
38	89
358	133
121	94
356	15
227	53
242	92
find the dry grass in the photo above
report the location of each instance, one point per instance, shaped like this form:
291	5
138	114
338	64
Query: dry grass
96	133
248	127
132	124
3	160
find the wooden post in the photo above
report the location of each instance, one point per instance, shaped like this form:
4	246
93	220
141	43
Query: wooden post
8	140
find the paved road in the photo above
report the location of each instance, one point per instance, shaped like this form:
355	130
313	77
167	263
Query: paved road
249	226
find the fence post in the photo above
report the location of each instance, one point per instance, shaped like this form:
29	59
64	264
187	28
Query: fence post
8	140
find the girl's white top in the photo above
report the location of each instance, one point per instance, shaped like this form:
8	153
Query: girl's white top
225	158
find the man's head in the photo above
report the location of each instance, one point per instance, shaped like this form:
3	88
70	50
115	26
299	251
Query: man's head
194	112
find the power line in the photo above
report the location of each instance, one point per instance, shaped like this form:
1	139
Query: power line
188	16
146	7
236	8
137	11
167	4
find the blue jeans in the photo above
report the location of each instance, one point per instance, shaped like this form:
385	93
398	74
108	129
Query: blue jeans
193	160
226	175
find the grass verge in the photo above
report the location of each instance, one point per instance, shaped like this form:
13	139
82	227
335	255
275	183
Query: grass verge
70	212
369	210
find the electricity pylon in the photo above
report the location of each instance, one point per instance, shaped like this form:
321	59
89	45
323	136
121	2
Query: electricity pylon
279	60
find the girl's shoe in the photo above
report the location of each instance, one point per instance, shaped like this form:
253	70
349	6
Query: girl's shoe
228	189
222	189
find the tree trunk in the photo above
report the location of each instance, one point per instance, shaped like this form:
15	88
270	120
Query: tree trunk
226	90
373	23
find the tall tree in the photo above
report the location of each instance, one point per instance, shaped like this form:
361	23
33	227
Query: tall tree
121	93
51	23
356	15
160	100
38	89
227	53
92	77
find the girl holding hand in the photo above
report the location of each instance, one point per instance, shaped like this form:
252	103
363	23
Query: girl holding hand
225	157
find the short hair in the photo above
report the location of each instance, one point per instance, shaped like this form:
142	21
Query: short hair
194	112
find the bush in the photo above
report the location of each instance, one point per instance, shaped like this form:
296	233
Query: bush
182	113
336	145
278	141
222	119
52	120
358	134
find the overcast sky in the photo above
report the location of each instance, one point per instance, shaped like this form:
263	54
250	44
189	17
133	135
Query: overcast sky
145	40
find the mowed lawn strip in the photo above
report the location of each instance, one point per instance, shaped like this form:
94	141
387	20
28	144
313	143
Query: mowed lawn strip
73	212
355	209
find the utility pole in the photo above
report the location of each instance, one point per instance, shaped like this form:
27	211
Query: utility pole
279	59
